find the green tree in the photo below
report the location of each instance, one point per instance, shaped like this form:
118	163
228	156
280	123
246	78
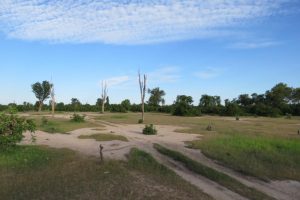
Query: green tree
183	105
42	92
75	104
296	96
209	104
126	104
156	97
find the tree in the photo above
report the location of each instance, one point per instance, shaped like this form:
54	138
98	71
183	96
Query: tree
126	104
75	103
296	96
156	97
209	104
183	105
103	95
42	92
142	84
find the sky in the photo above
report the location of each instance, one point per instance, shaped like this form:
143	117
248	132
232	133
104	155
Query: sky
185	47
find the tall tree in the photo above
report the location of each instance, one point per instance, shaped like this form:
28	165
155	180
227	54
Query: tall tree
183	105
142	84
156	97
42	92
75	104
103	95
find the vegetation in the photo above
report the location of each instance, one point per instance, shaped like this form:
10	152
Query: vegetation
12	128
60	125
41	172
149	130
216	176
260	156
183	106
42	92
77	118
104	137
156	97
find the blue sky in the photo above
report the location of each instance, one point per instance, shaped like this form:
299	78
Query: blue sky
217	47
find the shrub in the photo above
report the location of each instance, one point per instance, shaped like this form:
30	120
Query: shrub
140	121
77	118
12	128
209	128
44	121
288	116
237	118
149	130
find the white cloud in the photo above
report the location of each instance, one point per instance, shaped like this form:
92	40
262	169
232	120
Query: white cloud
128	22
164	75
208	73
255	45
115	81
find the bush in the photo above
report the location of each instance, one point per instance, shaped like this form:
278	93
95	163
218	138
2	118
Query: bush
237	118
77	118
288	116
149	130
140	121
44	121
12	128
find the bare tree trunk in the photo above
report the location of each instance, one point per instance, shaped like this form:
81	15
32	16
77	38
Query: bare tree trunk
40	106
143	92
103	95
52	100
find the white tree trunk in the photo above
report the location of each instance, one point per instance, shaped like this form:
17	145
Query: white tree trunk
103	95
142	84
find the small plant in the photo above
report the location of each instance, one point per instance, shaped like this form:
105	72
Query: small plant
288	116
149	130
209	128
237	118
140	121
12	128
44	121
77	118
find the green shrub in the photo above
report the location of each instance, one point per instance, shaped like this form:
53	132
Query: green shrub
44	121
237	118
140	121
149	130
12	128
77	118
288	116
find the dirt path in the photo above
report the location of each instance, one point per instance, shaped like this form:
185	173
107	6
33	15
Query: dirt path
285	190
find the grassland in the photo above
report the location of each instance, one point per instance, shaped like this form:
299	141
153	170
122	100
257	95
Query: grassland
35	172
213	175
267	148
61	125
104	137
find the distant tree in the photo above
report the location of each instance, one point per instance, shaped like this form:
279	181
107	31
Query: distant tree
126	104
279	95
42	92
156	97
209	104
296	96
142	84
183	105
75	103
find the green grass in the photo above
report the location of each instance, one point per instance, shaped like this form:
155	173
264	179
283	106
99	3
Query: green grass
213	175
104	137
59	125
67	175
256	155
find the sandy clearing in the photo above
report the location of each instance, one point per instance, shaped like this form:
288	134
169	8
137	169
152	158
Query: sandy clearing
285	190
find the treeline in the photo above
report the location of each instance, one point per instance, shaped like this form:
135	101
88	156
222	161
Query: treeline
279	100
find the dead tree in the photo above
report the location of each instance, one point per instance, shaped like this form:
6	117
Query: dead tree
52	93
103	95
100	152
143	92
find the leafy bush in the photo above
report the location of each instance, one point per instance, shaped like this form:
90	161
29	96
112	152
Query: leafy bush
237	118
12	128
77	118
288	116
140	121
44	121
149	130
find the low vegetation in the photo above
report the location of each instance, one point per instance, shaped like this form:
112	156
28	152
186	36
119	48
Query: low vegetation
149	130
216	176
77	118
35	172
256	155
104	137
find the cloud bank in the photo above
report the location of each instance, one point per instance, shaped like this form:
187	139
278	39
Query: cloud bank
128	22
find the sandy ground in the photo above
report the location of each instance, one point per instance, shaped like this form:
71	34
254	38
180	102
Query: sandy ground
285	190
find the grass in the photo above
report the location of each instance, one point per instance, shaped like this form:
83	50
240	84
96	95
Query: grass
213	175
62	174
60	125
256	155
267	148
104	137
